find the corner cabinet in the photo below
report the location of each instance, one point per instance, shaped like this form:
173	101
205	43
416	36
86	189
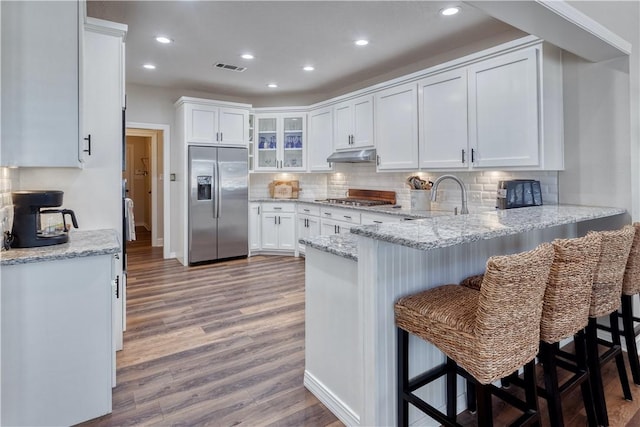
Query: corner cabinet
353	123
40	83
278	228
320	139
396	127
215	122
280	142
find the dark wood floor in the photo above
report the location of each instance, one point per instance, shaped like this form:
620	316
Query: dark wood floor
223	345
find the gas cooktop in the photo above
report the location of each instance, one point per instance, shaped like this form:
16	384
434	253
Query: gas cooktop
364	198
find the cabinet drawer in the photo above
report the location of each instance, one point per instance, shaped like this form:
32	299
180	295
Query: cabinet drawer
309	209
375	218
345	215
278	207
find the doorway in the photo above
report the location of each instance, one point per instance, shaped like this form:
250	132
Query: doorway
144	165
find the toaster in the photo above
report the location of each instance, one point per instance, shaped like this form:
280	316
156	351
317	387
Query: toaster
518	193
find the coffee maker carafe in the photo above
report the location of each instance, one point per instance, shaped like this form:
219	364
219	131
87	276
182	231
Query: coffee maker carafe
34	226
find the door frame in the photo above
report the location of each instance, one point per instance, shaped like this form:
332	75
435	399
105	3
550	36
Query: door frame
166	136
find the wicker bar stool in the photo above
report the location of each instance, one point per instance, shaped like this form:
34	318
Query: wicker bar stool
605	300
485	335
565	313
630	288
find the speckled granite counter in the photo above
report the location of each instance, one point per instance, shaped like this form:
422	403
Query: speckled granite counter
81	244
441	232
344	245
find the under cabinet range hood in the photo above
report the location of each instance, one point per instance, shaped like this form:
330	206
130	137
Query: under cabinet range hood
355	156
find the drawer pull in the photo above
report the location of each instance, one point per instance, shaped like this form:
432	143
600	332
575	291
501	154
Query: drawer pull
306	210
377	222
277	208
346	216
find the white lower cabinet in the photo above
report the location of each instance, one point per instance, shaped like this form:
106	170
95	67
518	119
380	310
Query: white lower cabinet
278	228
376	218
308	223
254	227
337	221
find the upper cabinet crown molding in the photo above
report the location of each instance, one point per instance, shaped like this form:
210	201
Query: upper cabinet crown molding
561	24
209	102
106	27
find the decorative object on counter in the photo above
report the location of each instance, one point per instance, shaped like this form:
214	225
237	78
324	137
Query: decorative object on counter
417	183
518	193
420	200
34	226
279	189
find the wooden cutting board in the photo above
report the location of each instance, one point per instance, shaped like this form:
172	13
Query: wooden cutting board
281	189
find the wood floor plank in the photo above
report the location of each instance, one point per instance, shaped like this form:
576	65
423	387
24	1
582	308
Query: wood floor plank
223	345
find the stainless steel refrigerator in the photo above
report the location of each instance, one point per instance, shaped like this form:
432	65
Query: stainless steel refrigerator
218	203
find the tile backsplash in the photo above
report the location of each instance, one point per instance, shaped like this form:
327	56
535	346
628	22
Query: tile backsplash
481	186
8	180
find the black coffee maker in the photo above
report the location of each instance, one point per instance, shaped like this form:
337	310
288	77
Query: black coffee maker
29	227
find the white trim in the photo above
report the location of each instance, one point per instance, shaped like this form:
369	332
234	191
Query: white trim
203	101
579	19
330	400
166	154
106	27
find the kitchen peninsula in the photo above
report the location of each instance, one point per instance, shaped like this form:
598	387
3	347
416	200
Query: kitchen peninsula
58	361
352	282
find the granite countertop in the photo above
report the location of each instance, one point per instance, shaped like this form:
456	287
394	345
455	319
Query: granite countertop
444	231
344	245
81	244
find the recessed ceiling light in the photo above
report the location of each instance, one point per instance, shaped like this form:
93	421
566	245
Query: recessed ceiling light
163	39
450	11
361	42
308	68
149	66
272	85
247	56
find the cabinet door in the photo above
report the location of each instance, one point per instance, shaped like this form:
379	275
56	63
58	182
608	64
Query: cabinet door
443	121
269	230
342	121
39	86
320	139
294	142
397	127
362	128
201	123
303	230
328	227
233	126
254	226
286	231
267	139
503	110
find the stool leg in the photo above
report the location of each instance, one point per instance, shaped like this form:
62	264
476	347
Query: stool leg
595	373
554	405
471	397
585	387
485	413
531	390
622	370
630	337
403	376
452	390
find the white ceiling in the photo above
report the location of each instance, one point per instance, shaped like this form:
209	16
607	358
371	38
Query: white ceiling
284	36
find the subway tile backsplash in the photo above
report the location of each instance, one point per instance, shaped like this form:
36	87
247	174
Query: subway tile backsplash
8	180
481	186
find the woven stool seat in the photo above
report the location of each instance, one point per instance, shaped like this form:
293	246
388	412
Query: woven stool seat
631	287
488	333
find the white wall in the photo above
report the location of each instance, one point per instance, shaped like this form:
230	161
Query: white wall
602	117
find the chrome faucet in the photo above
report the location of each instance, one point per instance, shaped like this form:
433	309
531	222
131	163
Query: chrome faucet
436	183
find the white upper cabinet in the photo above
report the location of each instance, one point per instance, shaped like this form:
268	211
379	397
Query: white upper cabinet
442	106
281	142
40	84
208	123
353	123
504	111
396	127
320	139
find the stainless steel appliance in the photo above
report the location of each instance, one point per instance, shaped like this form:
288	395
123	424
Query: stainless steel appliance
518	193
218	203
34	226
357	197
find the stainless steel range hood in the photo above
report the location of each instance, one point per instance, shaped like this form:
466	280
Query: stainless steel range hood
355	156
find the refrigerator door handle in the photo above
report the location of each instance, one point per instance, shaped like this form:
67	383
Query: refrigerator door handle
218	188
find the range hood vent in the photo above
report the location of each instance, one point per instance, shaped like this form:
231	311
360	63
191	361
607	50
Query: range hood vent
355	156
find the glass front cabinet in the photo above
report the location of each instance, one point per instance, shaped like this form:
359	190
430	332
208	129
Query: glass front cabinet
280	142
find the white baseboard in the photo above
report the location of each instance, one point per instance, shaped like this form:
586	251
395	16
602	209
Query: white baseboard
158	242
331	401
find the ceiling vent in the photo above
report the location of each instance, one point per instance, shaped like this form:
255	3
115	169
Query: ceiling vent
230	67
